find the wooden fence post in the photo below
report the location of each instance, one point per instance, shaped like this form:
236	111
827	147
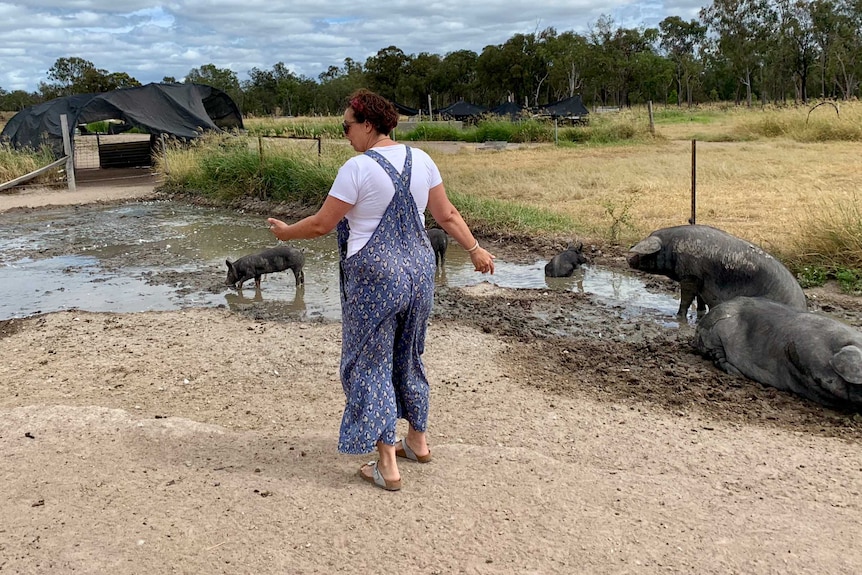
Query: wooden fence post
651	119
67	149
164	153
693	218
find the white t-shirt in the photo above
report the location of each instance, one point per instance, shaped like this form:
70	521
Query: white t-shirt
364	184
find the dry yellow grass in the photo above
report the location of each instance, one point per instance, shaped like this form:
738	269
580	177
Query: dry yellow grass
774	177
765	191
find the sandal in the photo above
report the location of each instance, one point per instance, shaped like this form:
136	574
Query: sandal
407	453
377	478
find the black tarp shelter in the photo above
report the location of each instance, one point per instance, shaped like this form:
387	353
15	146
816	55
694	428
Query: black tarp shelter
462	110
405	110
569	108
512	110
180	110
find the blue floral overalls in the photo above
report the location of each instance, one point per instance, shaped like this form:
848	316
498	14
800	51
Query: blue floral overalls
387	290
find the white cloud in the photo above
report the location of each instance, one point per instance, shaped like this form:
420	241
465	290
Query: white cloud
149	41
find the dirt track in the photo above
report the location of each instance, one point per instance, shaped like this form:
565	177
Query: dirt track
203	441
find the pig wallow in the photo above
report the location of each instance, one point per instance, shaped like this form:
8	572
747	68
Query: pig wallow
268	261
715	267
440	243
809	354
565	263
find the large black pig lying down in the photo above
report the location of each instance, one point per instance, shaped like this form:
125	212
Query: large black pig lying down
804	352
714	266
268	261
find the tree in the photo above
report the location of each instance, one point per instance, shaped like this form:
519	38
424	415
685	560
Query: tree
78	76
742	29
384	71
570	54
616	52
17	100
681	40
422	76
458	78
221	78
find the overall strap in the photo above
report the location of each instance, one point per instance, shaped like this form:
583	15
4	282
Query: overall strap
404	177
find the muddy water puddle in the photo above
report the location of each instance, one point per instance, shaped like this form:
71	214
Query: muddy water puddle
165	255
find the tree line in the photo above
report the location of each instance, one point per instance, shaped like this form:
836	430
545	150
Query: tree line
737	50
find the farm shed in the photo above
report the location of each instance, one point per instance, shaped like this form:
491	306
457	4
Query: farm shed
179	110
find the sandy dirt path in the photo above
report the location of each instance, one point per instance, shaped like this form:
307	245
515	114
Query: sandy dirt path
204	441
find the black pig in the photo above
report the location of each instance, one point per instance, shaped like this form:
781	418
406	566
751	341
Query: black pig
268	261
565	263
807	353
715	267
439	242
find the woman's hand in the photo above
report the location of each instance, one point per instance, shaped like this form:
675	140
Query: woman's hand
482	260
278	228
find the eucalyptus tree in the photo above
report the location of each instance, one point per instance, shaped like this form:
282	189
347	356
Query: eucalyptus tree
652	78
259	92
825	30
459	78
494	72
222	78
741	30
516	69
682	42
385	69
330	94
79	76
796	47
422	76
17	100
570	53
615	51
846	52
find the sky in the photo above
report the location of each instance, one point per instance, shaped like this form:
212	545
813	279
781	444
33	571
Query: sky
150	41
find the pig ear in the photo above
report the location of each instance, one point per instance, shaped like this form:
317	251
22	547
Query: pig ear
229	265
848	364
648	246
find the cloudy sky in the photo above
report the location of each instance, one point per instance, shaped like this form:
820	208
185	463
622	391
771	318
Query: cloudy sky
149	40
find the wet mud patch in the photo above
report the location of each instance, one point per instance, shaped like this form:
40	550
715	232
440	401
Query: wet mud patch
607	356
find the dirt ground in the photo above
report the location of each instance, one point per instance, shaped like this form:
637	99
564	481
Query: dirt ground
204	441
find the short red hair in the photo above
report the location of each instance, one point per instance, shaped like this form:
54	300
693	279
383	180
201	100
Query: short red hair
370	107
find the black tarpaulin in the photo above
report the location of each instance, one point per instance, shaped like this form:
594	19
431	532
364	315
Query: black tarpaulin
181	110
463	110
567	108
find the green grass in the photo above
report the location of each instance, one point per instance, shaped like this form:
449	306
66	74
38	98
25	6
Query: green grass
509	219
830	246
683	116
500	199
228	168
16	163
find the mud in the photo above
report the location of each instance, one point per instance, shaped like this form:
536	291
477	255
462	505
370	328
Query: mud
566	341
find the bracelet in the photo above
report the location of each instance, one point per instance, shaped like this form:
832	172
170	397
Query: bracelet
474	248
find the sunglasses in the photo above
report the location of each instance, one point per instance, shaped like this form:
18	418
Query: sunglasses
345	125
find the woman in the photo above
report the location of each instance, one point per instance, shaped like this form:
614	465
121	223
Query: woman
378	202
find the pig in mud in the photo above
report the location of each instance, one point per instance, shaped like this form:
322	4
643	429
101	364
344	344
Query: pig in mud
268	261
439	242
564	264
715	267
804	352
